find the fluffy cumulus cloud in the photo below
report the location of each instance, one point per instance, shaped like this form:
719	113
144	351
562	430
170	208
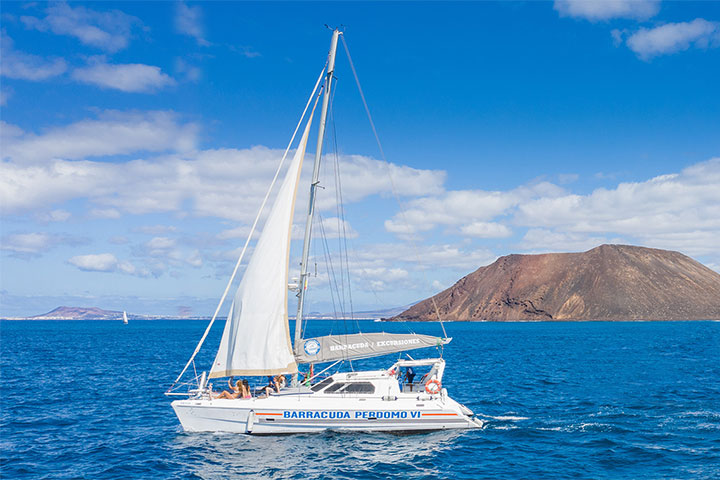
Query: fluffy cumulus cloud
598	10
108	30
33	244
467	210
188	21
389	268
542	240
42	170
672	37
132	77
485	230
25	66
104	262
333	227
677	211
112	133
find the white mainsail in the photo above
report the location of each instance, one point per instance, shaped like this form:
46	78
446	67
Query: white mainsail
125	319
256	339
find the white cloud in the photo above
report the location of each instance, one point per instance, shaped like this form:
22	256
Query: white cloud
188	21
390	255
5	94
381	278
113	133
674	37
333	227
540	240
469	210
54	216
595	10
160	243
133	77
678	211
42	170
35	243
156	229
485	230
394	267
104	262
224	183
105	213
27	242
109	31
184	69
194	259
245	51
24	66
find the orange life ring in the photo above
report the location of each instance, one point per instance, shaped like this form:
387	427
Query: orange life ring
433	391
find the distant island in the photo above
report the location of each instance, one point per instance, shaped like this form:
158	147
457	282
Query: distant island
610	282
86	313
95	313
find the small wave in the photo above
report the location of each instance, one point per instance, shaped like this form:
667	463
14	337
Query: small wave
701	413
507	418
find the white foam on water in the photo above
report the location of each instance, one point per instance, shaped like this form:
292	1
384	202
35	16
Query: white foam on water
507	418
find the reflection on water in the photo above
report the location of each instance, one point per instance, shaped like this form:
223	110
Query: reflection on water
321	455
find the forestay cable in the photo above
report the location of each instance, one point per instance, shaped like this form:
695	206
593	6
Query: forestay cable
252	230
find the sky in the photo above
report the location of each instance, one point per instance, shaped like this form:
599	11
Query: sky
138	140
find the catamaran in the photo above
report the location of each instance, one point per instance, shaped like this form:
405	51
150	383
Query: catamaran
256	339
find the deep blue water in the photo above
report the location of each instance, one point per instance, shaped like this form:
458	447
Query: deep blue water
563	400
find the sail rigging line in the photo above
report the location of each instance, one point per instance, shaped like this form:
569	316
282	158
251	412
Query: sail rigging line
331	271
392	182
254	225
333	278
340	206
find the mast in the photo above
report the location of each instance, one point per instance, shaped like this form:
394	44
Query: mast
313	188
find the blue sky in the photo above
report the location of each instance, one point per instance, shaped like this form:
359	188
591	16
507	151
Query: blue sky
138	140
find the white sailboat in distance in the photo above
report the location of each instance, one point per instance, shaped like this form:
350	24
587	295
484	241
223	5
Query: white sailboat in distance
125	319
256	341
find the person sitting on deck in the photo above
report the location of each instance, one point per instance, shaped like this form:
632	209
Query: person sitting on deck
269	387
410	376
246	389
280	382
235	392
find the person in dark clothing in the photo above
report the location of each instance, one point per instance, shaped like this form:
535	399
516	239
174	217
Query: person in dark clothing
410	376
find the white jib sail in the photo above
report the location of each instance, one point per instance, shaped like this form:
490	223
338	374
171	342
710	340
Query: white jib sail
256	339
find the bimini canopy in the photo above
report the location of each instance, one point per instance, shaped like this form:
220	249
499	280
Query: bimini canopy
361	345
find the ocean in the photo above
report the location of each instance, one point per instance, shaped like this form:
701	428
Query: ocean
596	400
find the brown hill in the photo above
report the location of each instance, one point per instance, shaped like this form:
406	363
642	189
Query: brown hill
610	282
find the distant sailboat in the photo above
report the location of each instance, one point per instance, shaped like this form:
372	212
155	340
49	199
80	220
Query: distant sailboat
125	320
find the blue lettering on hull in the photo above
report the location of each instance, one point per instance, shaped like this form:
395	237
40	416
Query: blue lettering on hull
334	415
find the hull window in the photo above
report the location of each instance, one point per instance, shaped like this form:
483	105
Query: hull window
359	387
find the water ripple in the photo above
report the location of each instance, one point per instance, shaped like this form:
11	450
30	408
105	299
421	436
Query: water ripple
590	400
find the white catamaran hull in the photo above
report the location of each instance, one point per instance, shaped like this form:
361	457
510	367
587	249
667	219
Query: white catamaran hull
301	413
